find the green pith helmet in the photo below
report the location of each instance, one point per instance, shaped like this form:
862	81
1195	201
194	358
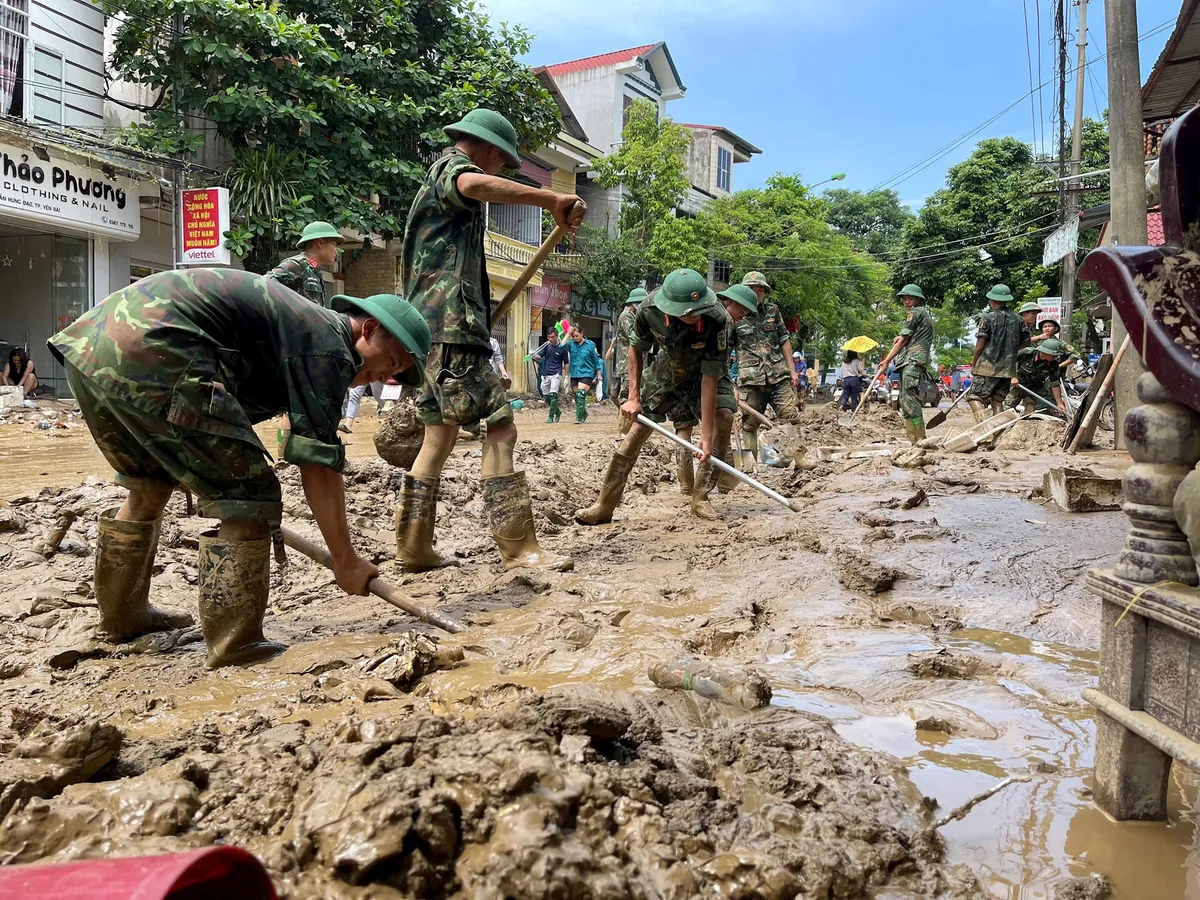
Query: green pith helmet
316	230
1051	347
1001	294
491	127
756	279
1026	307
1054	322
911	290
637	295
741	294
401	320
684	293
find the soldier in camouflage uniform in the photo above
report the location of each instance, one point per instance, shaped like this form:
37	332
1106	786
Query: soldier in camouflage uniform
618	353
302	273
765	373
446	278
1038	371
1050	330
687	327
1028	312
910	350
171	374
999	336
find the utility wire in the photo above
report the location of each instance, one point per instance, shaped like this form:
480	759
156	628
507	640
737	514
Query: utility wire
1029	65
1037	7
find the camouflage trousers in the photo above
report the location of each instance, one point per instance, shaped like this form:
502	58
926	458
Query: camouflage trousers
989	389
461	389
780	396
232	478
910	392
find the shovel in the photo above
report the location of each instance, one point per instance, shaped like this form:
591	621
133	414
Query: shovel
848	422
940	416
1042	400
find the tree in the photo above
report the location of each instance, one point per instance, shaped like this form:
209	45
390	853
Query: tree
351	95
613	267
649	168
874	220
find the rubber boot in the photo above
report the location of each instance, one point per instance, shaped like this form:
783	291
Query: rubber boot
124	559
235	577
685	472
976	410
580	407
415	517
706	480
918	431
749	450
510	513
726	483
997	407
281	436
611	490
552	416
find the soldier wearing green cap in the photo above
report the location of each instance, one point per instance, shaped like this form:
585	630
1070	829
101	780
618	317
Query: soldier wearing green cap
171	375
445	277
618	352
998	337
1037	371
1028	312
911	350
765	372
685	327
1049	330
302	273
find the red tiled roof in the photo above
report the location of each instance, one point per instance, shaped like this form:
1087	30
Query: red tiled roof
693	125
595	62
1154	230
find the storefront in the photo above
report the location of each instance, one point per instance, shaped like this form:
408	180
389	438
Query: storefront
64	219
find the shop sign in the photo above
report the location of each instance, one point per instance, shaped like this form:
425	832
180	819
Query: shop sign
68	193
1051	309
554	293
205	221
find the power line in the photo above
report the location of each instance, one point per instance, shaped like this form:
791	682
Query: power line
1037	7
1029	65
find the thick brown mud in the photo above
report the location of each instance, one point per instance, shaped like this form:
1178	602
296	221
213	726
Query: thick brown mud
925	633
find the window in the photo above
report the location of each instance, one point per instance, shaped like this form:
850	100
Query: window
47	86
14	25
722	270
626	102
724	169
521	223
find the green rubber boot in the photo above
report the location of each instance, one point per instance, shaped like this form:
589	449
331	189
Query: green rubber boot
552	415
235	578
580	406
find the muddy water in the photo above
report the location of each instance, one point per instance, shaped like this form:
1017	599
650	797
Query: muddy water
1001	590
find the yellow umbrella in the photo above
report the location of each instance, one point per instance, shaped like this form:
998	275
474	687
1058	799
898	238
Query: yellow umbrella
860	344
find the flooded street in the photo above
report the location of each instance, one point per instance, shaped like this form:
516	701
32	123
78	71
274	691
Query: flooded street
959	665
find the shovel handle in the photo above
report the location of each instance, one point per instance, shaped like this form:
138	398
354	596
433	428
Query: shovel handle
377	586
754	413
575	215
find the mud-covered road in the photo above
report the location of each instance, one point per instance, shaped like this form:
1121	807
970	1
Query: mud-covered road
925	633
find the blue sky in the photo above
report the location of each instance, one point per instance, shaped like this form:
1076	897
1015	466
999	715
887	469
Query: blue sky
867	87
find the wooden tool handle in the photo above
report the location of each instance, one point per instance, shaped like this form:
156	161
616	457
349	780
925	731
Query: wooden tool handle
574	217
1101	398
754	413
377	586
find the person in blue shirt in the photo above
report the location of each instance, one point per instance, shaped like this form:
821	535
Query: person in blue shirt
801	366
583	369
551	361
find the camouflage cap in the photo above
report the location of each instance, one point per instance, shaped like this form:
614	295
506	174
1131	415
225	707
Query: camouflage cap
637	295
401	320
756	279
684	293
1051	347
1030	306
741	294
1001	293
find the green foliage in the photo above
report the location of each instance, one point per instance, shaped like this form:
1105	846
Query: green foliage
266	188
873	220
650	168
354	93
614	267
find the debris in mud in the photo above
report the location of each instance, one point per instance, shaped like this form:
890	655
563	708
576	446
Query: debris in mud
819	425
946	663
1034	435
399	438
951	720
54	755
858	573
1081	490
408	659
739	687
589	798
1091	887
942	618
912	501
913	458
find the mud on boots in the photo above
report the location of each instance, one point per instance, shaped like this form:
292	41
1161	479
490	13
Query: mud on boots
581	413
509	511
584	369
235	580
416	517
124	560
685	471
613	486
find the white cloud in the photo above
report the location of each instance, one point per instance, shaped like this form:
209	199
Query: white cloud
634	21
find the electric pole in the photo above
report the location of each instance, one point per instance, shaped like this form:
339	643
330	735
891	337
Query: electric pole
1071	207
177	184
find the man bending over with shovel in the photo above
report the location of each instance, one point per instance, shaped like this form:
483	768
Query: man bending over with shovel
685	324
171	374
446	278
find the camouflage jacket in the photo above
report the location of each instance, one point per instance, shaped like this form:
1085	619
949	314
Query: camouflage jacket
302	275
621	340
1004	332
442	263
681	352
1036	374
918	328
761	338
218	350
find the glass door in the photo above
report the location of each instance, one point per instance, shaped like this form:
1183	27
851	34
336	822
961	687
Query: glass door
70	292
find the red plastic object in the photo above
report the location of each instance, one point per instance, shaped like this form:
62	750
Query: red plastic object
219	873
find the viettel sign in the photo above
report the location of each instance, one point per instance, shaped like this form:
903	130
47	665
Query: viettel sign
205	221
68	193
